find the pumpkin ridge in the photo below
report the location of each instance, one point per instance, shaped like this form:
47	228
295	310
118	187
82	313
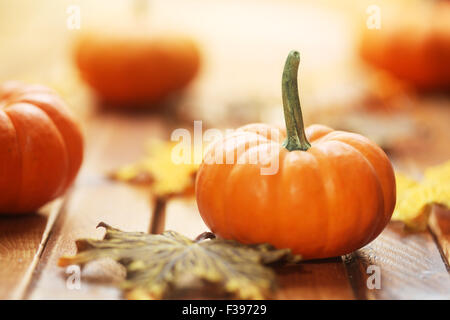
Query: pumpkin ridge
222	217
321	160
236	173
226	195
25	131
66	180
321	139
378	152
66	127
249	128
20	157
240	132
375	175
287	167
213	147
312	136
251	149
338	214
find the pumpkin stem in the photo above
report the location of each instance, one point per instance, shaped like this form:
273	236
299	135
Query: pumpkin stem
295	130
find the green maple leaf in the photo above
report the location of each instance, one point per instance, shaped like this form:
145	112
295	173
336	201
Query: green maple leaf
156	263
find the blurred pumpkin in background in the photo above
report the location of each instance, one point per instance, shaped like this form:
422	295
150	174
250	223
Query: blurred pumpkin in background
133	68
41	147
413	45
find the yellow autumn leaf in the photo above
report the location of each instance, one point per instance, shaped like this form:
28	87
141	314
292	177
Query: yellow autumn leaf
414	198
168	167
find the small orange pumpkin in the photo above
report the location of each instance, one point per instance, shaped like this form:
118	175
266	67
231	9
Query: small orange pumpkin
135	69
41	147
333	192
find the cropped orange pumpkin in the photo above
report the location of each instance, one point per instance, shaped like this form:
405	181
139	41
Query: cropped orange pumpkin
41	147
132	68
413	45
333	192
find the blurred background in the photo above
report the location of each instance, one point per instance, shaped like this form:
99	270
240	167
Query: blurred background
380	68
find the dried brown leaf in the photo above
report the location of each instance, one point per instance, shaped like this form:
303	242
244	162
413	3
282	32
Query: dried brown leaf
156	264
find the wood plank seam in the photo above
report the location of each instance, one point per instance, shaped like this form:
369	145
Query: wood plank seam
410	266
439	227
20	291
440	249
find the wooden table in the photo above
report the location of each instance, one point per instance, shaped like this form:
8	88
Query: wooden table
412	265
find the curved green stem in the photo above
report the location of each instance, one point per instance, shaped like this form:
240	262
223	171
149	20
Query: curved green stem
295	130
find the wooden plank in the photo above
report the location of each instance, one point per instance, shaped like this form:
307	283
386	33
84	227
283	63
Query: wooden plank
439	224
89	205
182	216
314	280
410	266
22	239
113	140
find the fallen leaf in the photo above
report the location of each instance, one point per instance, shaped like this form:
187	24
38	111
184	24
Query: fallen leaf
158	169
155	264
415	198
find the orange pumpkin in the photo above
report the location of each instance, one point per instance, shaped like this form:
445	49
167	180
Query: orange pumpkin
41	147
333	192
133	68
413	45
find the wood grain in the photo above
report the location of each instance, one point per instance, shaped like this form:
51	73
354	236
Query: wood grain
88	206
314	280
21	240
182	216
17	249
113	140
410	264
439	224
